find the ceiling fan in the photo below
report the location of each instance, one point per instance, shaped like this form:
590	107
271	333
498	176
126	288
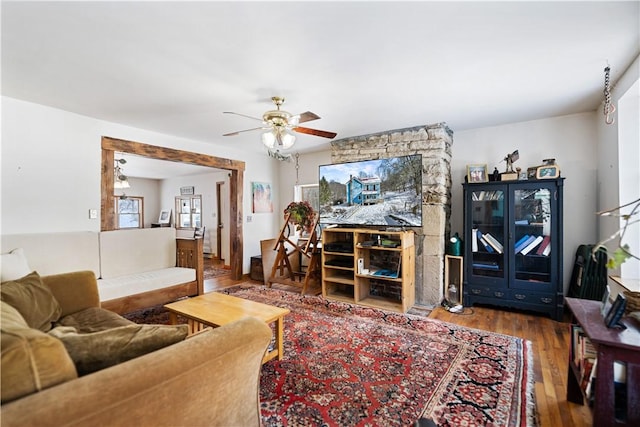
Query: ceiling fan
279	126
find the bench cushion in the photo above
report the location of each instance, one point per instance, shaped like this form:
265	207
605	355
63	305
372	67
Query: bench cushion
125	252
136	283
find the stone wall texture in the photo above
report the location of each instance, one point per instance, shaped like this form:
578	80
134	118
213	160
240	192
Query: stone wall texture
434	143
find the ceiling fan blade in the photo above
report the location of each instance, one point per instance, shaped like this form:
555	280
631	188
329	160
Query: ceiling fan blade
240	131
316	132
306	117
243	115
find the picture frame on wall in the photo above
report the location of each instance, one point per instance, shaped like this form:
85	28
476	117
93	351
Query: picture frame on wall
477	173
187	191
261	197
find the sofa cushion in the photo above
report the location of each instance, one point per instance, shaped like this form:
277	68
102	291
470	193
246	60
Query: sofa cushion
14	265
33	300
98	350
93	319
31	360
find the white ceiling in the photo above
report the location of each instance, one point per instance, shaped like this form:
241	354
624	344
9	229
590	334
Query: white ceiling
364	67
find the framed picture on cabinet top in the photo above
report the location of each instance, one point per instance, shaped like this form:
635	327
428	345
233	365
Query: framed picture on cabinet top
165	216
477	173
547	172
616	311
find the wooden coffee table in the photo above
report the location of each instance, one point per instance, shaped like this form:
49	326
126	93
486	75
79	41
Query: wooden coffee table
216	309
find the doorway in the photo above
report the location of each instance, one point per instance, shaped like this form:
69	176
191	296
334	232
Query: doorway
236	181
220	224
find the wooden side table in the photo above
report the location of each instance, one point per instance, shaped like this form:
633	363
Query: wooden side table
612	345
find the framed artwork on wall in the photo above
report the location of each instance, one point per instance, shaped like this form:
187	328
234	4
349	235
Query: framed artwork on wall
187	191
261	197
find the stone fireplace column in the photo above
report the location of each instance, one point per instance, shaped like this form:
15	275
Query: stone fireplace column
434	143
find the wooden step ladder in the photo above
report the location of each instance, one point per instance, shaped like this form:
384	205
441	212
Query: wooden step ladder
307	247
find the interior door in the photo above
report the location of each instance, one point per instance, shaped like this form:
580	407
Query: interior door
220	225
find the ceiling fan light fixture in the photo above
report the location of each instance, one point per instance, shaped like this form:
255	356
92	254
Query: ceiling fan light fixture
287	139
269	139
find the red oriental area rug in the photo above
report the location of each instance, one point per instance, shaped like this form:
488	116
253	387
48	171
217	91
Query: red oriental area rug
347	365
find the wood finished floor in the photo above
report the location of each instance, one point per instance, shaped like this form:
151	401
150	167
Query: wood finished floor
550	341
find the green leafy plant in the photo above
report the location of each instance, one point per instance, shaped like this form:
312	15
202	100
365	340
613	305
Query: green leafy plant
301	214
622	252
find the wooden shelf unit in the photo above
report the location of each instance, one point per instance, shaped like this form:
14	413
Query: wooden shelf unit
622	345
344	280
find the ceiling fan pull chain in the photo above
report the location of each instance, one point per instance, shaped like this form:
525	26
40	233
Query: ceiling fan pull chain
609	108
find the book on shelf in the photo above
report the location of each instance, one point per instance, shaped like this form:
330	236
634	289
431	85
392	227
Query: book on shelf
531	246
486	265
478	196
521	241
493	242
584	355
522	222
590	386
474	240
545	242
484	242
523	244
547	250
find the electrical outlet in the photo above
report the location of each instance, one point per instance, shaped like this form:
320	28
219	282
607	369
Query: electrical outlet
249	218
93	214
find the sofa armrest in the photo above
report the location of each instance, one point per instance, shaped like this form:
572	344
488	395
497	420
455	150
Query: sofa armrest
74	291
211	379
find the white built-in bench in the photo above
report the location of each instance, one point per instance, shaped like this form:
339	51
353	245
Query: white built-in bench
135	268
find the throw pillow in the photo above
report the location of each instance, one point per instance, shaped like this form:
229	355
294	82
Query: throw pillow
33	300
31	360
93	319
14	265
98	350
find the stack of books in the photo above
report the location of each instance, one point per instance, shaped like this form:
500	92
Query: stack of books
528	243
488	242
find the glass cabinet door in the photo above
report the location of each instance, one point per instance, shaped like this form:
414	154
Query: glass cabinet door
488	234
532	209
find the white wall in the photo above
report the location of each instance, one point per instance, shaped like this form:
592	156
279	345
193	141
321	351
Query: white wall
205	186
627	123
50	170
307	174
571	140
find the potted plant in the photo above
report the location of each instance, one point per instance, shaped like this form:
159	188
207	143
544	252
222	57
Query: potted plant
301	214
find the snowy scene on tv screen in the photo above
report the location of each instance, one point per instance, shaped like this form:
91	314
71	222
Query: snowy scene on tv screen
384	192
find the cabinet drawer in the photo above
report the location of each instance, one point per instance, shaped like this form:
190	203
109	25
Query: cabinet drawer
529	297
487	292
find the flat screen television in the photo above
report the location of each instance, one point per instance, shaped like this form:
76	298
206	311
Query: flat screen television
381	193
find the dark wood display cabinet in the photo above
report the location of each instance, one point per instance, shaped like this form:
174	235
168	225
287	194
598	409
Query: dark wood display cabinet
513	245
